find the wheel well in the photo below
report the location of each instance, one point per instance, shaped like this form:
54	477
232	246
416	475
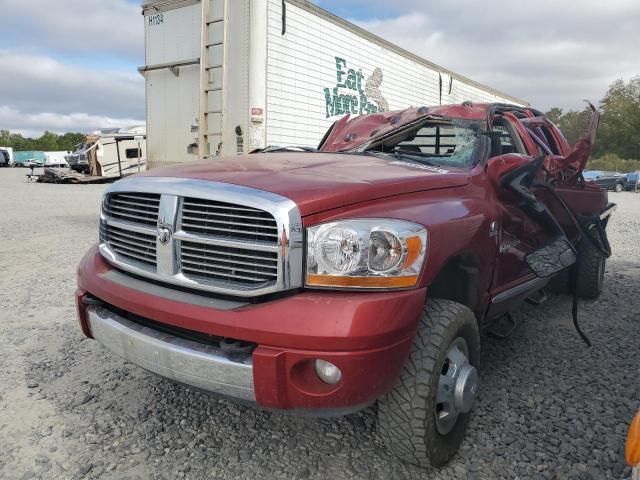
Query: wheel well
459	281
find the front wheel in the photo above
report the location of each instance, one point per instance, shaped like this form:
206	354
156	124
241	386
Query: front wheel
424	418
618	188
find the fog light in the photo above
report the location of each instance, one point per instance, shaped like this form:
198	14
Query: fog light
328	372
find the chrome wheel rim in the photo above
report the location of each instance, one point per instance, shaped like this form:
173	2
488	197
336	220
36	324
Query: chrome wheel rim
457	386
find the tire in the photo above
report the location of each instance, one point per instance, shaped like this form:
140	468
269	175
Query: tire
590	270
407	415
618	188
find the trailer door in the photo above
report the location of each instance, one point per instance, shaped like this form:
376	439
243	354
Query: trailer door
172	76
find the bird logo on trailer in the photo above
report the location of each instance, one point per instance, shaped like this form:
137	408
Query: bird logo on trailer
356	100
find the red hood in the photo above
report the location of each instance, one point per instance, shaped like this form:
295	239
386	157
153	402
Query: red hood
320	181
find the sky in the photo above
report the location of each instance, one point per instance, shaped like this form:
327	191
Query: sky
71	65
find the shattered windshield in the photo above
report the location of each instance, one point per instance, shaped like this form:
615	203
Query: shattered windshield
435	142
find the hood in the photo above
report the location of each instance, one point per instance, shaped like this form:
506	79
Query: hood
320	181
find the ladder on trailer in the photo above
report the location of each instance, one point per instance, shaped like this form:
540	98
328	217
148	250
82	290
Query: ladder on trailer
212	77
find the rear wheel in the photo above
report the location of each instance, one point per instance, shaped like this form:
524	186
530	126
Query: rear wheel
424	419
590	270
619	187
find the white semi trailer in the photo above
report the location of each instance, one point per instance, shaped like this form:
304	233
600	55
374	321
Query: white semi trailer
232	76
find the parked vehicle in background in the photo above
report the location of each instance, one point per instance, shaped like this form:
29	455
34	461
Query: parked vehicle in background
5	158
8	153
633	181
268	72
113	152
56	159
607	180
321	281
28	158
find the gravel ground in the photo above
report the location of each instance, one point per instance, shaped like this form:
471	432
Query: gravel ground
549	407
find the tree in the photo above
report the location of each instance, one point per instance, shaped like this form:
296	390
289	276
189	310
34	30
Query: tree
48	142
574	124
619	130
555	114
617	146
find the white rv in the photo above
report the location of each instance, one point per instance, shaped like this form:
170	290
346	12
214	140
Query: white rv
56	159
112	152
231	76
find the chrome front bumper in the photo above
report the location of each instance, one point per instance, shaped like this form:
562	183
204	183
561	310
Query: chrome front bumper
184	361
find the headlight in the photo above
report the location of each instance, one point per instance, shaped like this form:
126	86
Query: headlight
367	253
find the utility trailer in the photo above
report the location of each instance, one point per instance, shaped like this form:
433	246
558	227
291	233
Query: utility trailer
229	77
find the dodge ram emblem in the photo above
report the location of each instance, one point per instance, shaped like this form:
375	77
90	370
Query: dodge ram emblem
164	235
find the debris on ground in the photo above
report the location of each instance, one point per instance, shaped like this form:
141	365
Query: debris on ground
64	175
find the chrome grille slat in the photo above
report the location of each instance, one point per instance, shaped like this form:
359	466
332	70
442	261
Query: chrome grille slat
227	270
117	207
122	234
137	208
133	253
223	222
198	261
129	244
131	227
138	196
228	230
258	255
211	259
234	277
120	201
203	235
224	215
242	223
112	213
212	204
134	245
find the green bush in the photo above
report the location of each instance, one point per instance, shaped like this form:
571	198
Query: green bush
613	163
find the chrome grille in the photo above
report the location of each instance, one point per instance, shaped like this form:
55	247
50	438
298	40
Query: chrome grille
203	235
139	208
219	219
211	263
136	246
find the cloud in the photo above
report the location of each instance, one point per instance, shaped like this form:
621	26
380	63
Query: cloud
113	26
37	89
33	124
550	53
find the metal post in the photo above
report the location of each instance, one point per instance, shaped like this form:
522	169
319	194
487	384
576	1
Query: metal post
118	151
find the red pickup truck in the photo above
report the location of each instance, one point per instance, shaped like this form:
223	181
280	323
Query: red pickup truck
319	281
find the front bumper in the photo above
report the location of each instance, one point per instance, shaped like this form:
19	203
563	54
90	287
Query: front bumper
368	335
192	363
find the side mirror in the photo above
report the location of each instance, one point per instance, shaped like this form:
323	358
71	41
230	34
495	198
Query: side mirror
498	167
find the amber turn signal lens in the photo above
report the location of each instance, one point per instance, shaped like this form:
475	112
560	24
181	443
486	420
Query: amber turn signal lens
632	451
361	282
414	249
